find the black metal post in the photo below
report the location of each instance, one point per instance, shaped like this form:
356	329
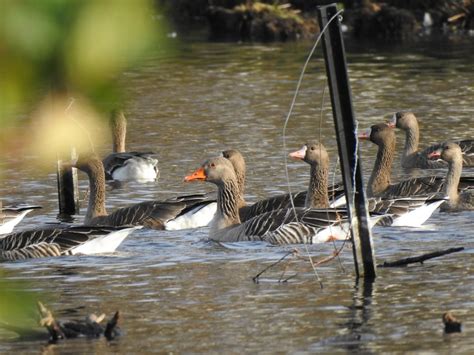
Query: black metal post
68	189
344	121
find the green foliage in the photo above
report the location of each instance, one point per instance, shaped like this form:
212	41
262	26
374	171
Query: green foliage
76	45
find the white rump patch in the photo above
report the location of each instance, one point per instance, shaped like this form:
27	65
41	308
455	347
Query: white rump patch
200	216
105	243
7	227
418	216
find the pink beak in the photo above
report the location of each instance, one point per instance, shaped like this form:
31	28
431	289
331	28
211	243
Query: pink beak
393	122
434	155
365	134
299	154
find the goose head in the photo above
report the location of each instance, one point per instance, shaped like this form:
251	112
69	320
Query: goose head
313	153
380	134
216	170
448	151
88	163
236	158
403	120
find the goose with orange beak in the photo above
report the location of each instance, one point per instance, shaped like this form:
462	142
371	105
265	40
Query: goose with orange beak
283	226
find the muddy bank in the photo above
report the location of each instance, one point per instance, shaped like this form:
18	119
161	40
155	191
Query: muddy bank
244	20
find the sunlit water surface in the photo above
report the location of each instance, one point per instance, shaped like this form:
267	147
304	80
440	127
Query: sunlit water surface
181	293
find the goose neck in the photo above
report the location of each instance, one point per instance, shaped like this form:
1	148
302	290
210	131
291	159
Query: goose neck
452	180
380	178
227	205
96	206
412	136
317	196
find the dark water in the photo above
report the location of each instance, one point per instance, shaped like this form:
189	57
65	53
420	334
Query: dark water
180	293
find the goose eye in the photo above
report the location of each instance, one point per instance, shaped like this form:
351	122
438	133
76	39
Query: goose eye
312	148
213	165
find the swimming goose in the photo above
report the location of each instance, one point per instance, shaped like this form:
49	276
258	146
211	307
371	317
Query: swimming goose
126	166
407	212
414	158
10	216
379	184
246	212
451	153
181	212
54	241
277	226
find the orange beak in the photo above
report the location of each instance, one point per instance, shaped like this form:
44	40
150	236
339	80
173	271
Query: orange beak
198	175
365	135
434	155
299	154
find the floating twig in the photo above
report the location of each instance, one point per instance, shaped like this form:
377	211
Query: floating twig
256	277
420	258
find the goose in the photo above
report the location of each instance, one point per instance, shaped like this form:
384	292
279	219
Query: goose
406	212
10	216
451	153
414	158
246	212
283	226
90	327
380	185
127	166
181	212
56	241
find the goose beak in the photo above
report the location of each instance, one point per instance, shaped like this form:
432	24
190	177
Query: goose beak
365	134
299	154
198	175
393	122
434	155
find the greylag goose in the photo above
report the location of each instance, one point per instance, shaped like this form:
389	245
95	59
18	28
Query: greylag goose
54	241
406	212
178	213
126	166
379	184
414	158
10	216
451	153
283	226
246	212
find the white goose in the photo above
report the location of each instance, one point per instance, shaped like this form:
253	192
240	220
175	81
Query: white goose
127	166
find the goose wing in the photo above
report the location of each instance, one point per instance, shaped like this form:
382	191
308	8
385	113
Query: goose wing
155	214
48	241
117	160
282	226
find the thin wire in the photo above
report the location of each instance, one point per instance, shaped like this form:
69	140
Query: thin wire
293	102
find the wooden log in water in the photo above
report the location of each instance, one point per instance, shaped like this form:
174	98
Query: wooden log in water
68	189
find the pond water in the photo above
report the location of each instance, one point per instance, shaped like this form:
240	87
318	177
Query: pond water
181	293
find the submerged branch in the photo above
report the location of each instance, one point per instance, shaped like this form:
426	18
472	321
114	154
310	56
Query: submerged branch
420	258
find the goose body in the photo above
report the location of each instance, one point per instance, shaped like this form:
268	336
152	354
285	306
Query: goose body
451	153
127	166
408	211
50	242
12	215
282	201
182	212
412	157
283	226
380	185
